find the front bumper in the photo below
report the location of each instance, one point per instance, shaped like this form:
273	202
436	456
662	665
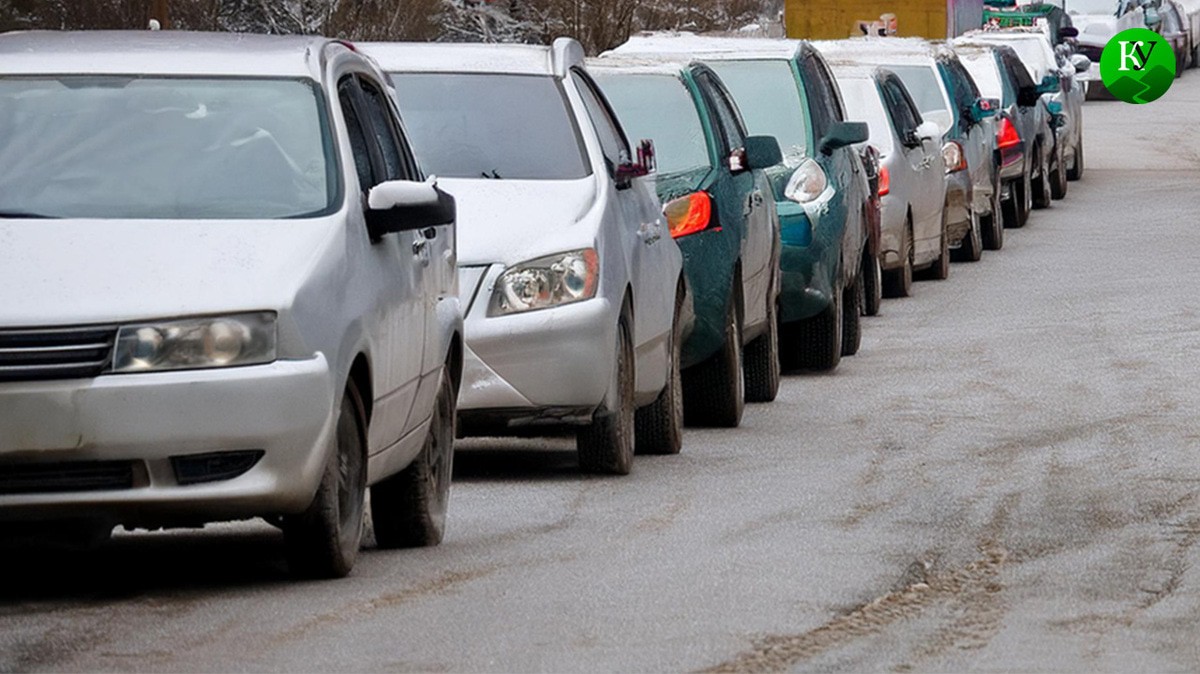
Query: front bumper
283	410
808	257
528	366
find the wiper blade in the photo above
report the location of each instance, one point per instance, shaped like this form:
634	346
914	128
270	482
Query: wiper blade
26	215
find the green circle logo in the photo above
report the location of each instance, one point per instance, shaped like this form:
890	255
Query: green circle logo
1137	66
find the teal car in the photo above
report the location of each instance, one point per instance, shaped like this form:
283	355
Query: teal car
718	206
785	90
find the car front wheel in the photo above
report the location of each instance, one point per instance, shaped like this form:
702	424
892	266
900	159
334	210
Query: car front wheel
714	391
660	424
607	444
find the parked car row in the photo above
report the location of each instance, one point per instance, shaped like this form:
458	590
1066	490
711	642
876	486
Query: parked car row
234	287
1097	21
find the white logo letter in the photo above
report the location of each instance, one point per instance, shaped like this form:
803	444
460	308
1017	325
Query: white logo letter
1129	54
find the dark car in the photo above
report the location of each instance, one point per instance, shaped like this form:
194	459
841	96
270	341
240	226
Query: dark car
1025	140
718	205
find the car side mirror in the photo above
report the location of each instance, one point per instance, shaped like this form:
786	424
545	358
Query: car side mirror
928	131
985	108
405	205
1152	17
763	152
842	134
1057	119
645	165
1049	85
1081	63
1067	32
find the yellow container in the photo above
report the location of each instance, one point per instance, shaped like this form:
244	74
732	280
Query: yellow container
836	19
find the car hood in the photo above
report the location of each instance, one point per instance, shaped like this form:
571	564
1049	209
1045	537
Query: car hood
510	221
75	272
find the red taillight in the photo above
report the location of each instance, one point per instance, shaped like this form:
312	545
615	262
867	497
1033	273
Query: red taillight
688	215
885	181
1006	135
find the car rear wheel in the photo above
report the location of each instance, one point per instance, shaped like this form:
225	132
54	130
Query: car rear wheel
1076	171
408	509
940	271
817	341
659	425
852	316
714	391
993	225
762	361
971	249
899	282
1058	174
323	541
606	445
1041	182
872	285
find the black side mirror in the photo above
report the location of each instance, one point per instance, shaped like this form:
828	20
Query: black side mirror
1068	32
842	134
763	152
404	205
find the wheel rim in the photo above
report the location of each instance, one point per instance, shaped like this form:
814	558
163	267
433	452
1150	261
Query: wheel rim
350	478
911	260
735	338
439	456
627	410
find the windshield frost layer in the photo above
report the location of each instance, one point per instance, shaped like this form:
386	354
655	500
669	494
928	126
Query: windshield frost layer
165	148
471	125
770	102
659	107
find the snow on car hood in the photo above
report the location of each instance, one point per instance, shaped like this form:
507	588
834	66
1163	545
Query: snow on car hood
76	272
510	221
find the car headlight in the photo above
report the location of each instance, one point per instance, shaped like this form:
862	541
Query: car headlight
196	343
549	281
807	183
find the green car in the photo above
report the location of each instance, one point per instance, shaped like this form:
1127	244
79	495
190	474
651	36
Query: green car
784	89
718	205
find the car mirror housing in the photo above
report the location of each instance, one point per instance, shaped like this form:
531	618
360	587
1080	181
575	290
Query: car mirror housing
763	152
842	134
927	131
985	108
1048	85
405	205
1067	32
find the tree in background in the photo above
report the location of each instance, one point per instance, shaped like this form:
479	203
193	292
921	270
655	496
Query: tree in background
598	24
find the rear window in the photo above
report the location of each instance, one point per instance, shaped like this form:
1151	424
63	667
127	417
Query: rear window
164	148
924	86
495	126
661	108
986	73
863	104
769	99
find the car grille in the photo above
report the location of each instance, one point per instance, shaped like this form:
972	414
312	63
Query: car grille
55	353
67	476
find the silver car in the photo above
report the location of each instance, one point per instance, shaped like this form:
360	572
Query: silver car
226	291
574	292
912	180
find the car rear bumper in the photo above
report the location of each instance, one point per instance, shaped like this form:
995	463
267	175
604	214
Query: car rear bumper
958	206
158	448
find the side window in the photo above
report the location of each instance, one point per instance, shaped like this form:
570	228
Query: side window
822	95
837	113
397	165
612	139
904	116
359	146
726	114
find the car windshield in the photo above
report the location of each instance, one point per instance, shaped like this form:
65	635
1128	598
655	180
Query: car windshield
164	148
1033	52
1108	7
497	126
863	104
659	107
769	100
986	73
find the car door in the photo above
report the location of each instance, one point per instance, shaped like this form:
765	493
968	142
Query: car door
926	201
397	324
644	237
760	229
975	135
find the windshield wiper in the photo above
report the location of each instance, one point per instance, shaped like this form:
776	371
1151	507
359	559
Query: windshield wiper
491	176
26	215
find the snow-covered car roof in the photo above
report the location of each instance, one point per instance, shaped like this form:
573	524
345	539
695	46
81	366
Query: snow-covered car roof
855	71
876	50
162	53
707	47
514	59
646	64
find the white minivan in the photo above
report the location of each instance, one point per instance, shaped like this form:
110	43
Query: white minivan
226	291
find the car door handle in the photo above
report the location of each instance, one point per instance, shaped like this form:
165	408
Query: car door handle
419	247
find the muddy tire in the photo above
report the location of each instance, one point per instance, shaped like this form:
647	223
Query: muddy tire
872	285
761	361
1076	171
1041	183
993	225
606	445
1058	175
971	249
852	316
940	271
899	282
408	509
817	341
323	541
659	425
714	392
